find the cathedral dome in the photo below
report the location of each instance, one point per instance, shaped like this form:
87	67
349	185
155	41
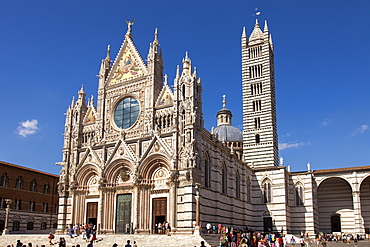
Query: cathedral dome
224	130
228	133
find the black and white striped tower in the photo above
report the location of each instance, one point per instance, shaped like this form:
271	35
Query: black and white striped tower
260	140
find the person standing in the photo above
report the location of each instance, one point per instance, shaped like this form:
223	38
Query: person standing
128	244
134	244
292	241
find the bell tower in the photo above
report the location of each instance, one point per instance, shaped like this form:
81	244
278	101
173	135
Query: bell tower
260	140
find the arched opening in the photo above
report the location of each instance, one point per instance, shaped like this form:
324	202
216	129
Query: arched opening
334	197
365	203
335	223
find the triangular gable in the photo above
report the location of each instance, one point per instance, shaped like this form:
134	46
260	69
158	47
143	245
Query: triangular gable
165	98
90	117
128	64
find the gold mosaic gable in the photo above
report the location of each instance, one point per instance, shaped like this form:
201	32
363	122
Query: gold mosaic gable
127	67
165	98
89	118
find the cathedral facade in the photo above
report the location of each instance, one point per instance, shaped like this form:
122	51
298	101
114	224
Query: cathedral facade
142	156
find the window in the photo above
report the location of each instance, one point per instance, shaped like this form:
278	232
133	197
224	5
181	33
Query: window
298	195
45	207
31	206
207	173
33	185
267	198
46	188
258	138
256	88
2	203
249	192
255	52
237	185
19	183
4	180
56	208
257	105
126	113
224	179
257	123
15	225
30	225
255	71
17	204
43	226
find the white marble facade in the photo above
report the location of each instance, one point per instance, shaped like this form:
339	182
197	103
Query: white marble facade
142	154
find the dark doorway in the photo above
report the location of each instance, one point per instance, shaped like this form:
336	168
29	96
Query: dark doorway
159	212
335	223
123	213
92	213
267	224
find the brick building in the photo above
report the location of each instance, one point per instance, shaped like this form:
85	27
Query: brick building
34	199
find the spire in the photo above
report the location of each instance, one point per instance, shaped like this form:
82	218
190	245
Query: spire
265	29
224	101
166	79
244	33
108	53
155	43
186	64
257	35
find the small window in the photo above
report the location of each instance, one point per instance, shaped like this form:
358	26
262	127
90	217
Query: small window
299	195
15	225
17	204
33	185
43	226
30	225
258	138
46	188
31	206
267	197
224	179
237	185
19	183
4	180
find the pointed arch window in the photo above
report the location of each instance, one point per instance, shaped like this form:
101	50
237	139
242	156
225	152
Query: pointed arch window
19	183
224	179
237	185
33	185
267	195
46	188
207	173
249	191
4	180
298	194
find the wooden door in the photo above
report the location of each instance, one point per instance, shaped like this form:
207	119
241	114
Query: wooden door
159	212
92	213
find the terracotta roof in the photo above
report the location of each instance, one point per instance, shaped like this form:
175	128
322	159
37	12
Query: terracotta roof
26	168
356	168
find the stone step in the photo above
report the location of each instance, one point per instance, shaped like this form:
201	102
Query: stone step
120	239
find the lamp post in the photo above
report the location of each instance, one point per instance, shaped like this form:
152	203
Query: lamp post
8	203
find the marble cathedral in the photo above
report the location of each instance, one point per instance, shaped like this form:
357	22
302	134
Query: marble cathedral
142	155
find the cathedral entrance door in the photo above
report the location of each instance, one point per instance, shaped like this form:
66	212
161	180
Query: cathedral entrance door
123	213
267	224
159	212
335	223
92	213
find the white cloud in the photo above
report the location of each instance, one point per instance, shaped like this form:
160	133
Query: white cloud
27	128
324	123
360	130
283	146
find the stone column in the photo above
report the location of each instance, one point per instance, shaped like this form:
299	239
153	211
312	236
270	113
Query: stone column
173	206
197	212
359	228
7	210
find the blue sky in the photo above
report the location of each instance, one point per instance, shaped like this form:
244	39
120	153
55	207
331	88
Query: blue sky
49	49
